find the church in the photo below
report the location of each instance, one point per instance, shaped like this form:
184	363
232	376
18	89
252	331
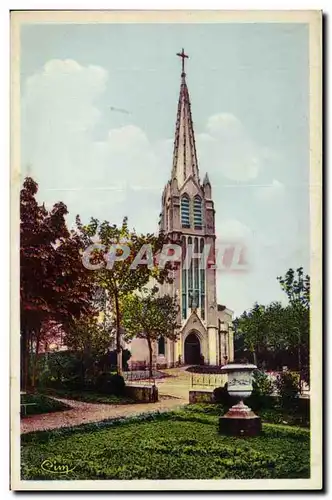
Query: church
188	218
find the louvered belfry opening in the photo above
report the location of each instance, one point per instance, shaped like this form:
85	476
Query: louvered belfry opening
185	211
198	216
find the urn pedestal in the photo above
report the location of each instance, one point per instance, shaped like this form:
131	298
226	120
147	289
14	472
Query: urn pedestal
240	420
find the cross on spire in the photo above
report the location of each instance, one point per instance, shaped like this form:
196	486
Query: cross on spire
183	56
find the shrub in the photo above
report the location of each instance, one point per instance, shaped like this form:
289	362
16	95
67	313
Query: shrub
108	361
108	383
74	383
288	387
262	384
262	390
117	385
103	383
41	404
54	368
222	397
305	374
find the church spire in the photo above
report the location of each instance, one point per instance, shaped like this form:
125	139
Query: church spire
184	155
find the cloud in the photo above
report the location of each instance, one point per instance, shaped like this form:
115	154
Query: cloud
62	96
109	178
59	113
226	148
273	192
233	230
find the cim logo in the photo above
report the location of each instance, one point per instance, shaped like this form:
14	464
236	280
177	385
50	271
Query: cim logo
56	467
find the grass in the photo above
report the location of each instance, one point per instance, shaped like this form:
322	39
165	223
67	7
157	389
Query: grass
90	397
183	444
274	415
42	404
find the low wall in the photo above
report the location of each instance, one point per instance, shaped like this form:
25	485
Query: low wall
142	393
201	396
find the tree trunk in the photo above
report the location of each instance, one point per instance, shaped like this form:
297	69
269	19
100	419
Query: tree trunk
34	362
255	357
118	337
150	357
299	365
83	370
25	359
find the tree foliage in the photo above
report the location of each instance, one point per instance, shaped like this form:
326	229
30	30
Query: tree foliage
149	316
53	283
275	331
118	277
89	340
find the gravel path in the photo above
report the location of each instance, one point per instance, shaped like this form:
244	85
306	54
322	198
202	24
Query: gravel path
173	393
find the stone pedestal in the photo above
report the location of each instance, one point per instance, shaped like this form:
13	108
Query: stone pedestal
240	420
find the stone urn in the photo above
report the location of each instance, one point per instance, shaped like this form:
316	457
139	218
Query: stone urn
240	420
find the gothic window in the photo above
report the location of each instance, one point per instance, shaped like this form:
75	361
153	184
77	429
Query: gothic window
184	293
185	211
196	276
184	281
161	345
202	283
168	218
198	218
190	276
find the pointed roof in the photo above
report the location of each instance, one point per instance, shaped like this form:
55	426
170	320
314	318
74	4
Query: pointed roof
184	155
206	180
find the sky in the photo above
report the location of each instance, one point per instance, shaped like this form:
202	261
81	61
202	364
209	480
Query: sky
98	111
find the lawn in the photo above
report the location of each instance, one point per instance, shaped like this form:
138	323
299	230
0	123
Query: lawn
183	444
42	404
90	397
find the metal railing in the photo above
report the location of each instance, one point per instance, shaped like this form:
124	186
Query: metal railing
139	376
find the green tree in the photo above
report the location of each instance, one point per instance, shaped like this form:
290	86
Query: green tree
150	317
251	327
277	331
121	278
88	339
296	285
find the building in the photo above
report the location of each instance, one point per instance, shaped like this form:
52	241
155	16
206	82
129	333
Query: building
188	218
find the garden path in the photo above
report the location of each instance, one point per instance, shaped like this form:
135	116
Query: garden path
173	393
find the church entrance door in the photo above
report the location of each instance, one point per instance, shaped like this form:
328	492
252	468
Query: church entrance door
192	350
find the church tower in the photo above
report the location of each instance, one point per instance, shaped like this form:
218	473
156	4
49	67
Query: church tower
188	218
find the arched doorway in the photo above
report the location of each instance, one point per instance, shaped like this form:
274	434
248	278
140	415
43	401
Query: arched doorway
192	350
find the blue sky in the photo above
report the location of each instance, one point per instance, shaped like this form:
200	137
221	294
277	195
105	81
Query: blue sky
248	85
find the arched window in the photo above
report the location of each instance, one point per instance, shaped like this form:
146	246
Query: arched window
196	262
202	283
198	218
168	218
184	280
161	345
190	274
185	211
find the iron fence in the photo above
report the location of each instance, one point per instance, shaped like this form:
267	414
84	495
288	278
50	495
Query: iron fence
141	376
